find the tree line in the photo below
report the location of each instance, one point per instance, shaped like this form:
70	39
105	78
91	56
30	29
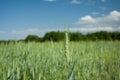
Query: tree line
73	36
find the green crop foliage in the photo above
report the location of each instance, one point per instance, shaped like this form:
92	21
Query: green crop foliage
98	60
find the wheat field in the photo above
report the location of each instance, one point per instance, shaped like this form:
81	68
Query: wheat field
87	60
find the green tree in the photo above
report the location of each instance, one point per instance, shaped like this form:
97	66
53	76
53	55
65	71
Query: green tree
33	38
54	36
76	36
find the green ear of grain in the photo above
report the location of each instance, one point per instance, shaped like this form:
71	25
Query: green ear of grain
67	51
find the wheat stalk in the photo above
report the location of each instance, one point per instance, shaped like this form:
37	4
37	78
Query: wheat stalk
67	51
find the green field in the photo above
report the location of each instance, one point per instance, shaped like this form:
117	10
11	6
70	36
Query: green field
88	60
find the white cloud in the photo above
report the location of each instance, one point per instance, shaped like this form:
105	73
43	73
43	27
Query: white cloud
111	20
21	34
87	2
85	20
91	29
26	32
75	2
33	31
114	15
39	32
50	0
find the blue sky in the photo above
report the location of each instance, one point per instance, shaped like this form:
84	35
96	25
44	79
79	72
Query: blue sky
18	18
